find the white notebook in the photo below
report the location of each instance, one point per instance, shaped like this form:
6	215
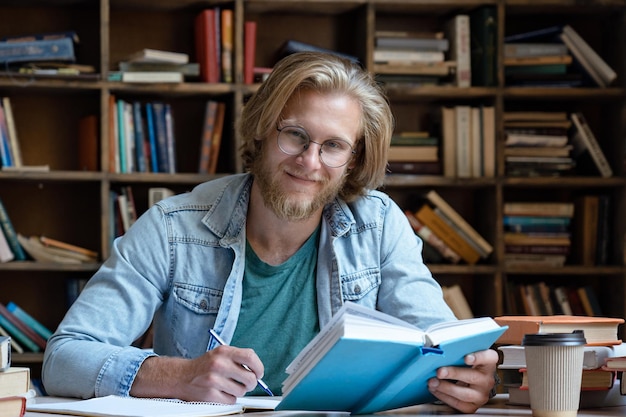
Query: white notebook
147	407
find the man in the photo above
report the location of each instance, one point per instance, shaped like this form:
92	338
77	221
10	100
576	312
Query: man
264	258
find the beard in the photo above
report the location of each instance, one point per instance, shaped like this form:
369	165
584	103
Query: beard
292	206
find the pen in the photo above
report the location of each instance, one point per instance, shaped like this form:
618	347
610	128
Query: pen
262	384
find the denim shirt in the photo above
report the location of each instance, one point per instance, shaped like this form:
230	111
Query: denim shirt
182	262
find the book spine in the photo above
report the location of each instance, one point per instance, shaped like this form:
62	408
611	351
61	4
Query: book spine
161	136
15	332
10	234
432	239
217	137
592	144
6	254
42	50
458	32
139	137
448	127
29	320
483	53
227	45
30	333
207	136
463	141
170	139
6	158
12	132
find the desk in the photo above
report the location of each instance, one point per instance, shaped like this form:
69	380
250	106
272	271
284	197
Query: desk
496	407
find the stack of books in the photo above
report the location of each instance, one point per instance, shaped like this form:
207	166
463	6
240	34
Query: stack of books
540	299
598	387
45	249
537	233
155	66
14	388
414	153
454	238
537	143
404	58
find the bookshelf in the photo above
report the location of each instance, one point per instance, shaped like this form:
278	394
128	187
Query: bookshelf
73	205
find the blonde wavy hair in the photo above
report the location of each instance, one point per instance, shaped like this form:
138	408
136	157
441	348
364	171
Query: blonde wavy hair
322	73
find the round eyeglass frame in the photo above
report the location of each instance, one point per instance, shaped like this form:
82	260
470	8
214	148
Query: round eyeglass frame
309	141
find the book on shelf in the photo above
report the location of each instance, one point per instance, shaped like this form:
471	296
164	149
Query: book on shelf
463	141
152	77
457	30
594	357
41	253
406	56
598	330
5	352
456	300
29	320
451	214
593	64
437	69
249	50
157	55
415	168
142	146
586	145
190	69
543	151
14	381
210	113
16	347
381	370
17	334
524	260
427	43
11	129
6	254
432	239
483	45
411	153
427	216
448	135
216	141
61	49
24	328
156	194
206	40
529	49
10	234
539	208
590	301
538	60
227	46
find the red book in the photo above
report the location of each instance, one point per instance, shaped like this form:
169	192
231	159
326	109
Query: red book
206	49
249	51
40	341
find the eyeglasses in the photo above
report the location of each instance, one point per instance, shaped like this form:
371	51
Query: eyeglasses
334	153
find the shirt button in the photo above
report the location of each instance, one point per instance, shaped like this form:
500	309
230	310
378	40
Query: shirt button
357	289
204	304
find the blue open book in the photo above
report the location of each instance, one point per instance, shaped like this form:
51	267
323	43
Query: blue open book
365	361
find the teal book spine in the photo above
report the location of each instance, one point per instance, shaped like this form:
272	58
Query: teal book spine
7	228
18	335
29	320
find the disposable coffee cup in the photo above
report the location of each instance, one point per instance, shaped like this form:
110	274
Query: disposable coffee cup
554	363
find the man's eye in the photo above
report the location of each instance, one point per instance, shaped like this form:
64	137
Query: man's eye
336	145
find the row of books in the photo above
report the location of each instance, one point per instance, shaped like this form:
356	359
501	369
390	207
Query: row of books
141	137
443	229
555	56
469	141
27	333
539	298
414	153
544	143
598	386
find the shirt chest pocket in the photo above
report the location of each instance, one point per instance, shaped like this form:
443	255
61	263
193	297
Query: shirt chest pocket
197	299
360	284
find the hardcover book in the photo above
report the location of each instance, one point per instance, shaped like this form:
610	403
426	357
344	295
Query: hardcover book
598	330
61	49
365	361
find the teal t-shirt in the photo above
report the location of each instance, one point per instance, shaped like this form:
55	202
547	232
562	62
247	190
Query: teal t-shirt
279	310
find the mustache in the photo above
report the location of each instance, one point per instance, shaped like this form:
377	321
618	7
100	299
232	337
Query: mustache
307	176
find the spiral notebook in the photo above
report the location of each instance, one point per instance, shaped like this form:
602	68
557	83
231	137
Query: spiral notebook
113	405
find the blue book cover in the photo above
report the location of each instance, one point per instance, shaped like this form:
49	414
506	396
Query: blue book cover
18	335
154	165
29	320
61	49
139	138
374	366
